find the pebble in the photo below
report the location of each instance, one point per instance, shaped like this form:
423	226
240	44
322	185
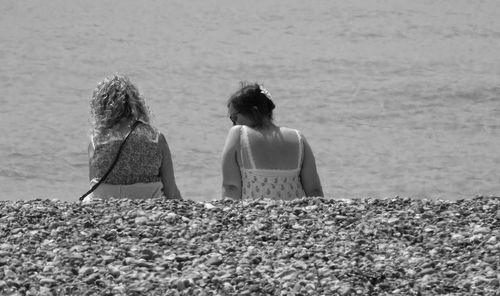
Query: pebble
141	220
48	281
44	291
215	259
108	259
91	278
209	206
85	270
481	229
300	247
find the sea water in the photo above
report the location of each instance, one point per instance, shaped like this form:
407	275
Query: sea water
396	97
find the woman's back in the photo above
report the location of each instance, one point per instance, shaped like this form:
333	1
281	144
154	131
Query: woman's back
271	161
143	167
139	161
278	148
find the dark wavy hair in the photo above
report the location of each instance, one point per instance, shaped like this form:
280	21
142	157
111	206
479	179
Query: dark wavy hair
114	99
253	101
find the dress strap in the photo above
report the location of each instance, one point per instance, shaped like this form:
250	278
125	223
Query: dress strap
92	141
246	146
301	150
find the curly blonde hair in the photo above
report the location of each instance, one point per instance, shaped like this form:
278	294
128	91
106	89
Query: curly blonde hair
116	99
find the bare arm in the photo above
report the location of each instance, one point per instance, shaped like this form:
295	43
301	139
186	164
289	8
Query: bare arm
167	171
231	176
309	174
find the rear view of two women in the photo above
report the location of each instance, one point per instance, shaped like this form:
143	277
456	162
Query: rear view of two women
259	160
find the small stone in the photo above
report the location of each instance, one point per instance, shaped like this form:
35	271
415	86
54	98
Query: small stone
130	261
182	284
482	230
76	257
288	275
345	290
209	206
183	257
6	247
311	208
108	259
9	273
44	291
296	288
115	272
392	220
170	257
476	237
48	282
411	272
141	220
214	260
256	260
148	254
170	217
300	265
450	273
91	278
144	263
227	287
85	270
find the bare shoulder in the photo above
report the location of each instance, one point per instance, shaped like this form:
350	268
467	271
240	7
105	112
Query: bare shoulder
290	133
233	138
235	128
285	129
234	132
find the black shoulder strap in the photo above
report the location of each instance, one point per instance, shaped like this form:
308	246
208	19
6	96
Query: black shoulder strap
113	164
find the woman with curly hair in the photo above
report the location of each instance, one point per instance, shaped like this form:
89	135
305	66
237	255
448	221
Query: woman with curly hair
143	168
261	159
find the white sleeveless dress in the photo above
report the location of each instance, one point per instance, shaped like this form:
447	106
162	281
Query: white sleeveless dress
269	183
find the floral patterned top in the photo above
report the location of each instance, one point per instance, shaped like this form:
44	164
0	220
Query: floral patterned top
139	161
269	183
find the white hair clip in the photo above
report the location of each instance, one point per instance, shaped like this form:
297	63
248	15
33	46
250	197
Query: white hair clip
265	92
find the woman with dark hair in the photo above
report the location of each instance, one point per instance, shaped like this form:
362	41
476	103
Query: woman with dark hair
143	168
261	159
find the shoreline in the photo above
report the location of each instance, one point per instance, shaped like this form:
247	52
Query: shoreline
309	246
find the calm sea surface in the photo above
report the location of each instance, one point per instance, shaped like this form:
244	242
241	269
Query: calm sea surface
395	97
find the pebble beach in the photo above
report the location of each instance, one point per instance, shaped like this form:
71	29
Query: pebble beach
309	246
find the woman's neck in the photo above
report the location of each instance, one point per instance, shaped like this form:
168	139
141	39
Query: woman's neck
267	125
126	122
123	125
